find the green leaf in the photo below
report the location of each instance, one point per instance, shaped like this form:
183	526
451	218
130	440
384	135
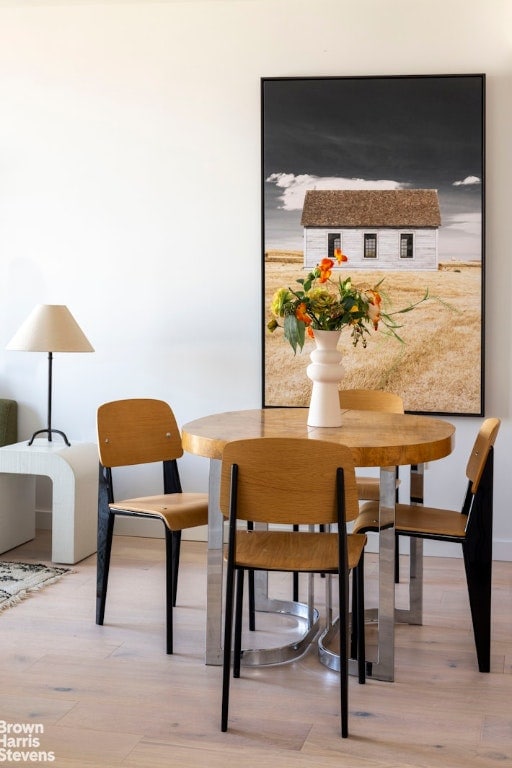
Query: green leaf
294	332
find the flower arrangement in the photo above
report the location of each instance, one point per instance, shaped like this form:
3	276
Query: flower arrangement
322	303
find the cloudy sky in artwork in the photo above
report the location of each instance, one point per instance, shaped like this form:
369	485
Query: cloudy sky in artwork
374	133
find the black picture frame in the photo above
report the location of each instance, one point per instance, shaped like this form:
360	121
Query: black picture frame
398	132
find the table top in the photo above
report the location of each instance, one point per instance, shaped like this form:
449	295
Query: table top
376	439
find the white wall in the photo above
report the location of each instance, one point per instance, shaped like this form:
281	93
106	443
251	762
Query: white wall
130	191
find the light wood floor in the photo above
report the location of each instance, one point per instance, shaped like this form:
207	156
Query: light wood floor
109	696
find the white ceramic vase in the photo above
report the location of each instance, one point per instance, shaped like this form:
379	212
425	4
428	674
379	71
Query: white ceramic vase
325	371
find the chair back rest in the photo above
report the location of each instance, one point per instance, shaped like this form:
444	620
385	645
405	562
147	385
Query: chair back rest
371	400
484	441
137	431
288	480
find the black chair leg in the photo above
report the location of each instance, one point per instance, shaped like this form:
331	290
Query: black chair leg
237	649
103	566
106	520
176	547
397	538
357	634
252	602
361	637
228	633
343	609
478	565
252	599
477	550
170	588
479	578
397	558
172	484
295	588
355	618
295	591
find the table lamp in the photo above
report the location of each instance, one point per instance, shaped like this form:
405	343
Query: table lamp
50	328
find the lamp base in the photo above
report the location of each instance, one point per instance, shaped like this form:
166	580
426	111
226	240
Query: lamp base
49	432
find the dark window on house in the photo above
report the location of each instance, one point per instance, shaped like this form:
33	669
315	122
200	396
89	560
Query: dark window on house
370	246
406	246
334	243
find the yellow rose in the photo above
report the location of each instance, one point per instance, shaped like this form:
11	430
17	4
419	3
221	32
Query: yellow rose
320	300
279	299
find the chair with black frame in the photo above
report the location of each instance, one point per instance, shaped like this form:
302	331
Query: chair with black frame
385	402
133	432
283	482
370	400
367	487
471	527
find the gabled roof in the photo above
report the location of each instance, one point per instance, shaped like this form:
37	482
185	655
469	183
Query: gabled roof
371	208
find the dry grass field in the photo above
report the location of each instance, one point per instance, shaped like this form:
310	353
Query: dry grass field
436	370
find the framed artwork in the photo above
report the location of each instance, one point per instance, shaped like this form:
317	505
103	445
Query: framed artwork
389	171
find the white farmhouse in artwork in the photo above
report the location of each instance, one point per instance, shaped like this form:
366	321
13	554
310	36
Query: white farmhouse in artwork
375	229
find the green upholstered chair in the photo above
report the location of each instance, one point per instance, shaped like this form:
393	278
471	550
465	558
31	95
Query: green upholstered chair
8	421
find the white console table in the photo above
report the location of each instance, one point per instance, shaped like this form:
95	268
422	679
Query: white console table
74	473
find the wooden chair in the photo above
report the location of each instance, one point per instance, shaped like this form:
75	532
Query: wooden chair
370	400
471	527
368	488
373	400
143	431
289	481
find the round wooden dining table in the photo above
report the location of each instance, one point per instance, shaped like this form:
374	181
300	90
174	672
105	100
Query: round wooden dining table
384	440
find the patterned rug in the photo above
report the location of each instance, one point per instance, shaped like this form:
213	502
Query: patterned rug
18	579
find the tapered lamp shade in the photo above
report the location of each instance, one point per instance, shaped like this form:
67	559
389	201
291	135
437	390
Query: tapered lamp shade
50	328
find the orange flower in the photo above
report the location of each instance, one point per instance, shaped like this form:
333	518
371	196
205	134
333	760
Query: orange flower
325	268
339	255
300	313
374	302
310	332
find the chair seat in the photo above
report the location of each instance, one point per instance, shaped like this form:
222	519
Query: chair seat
427	521
430	521
368	518
298	551
177	510
368	488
